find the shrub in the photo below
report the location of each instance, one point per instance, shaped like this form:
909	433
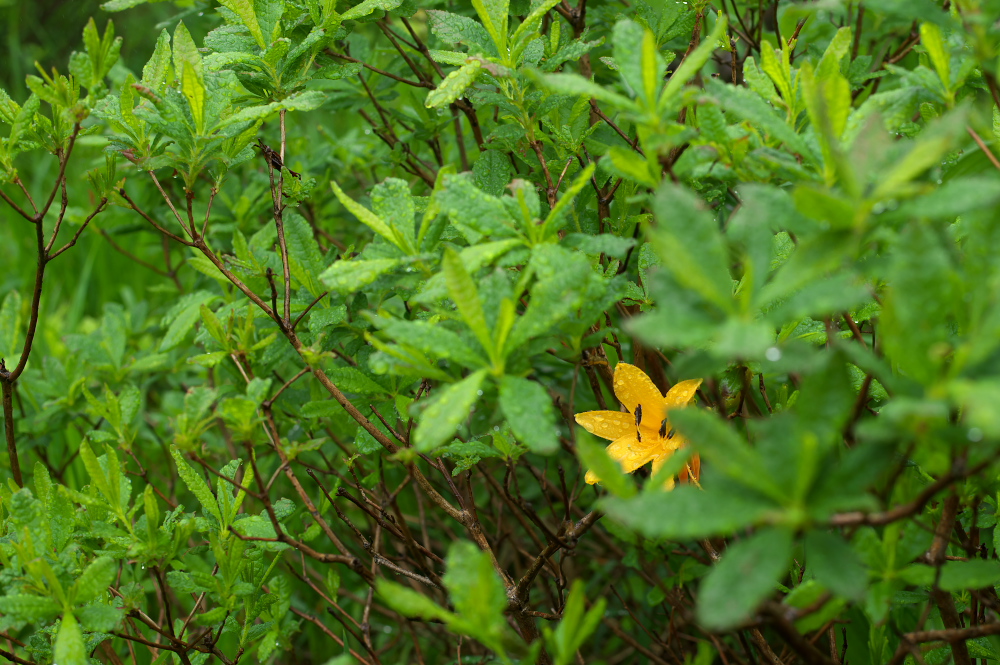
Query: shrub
330	414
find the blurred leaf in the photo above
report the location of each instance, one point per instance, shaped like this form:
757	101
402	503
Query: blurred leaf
747	574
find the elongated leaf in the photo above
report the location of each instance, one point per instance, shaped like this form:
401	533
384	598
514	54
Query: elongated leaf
693	62
22	607
69	647
244	9
464	293
196	483
349	276
94	580
188	65
367	217
932	40
529	411
96	472
528	27
688	512
493	15
154	74
454	85
747	574
688	237
448	408
368	6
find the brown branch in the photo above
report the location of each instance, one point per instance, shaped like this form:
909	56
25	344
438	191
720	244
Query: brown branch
957	472
982	146
76	236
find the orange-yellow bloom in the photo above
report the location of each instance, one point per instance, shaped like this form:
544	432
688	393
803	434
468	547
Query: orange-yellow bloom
643	434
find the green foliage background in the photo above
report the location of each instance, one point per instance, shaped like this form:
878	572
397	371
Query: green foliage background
300	299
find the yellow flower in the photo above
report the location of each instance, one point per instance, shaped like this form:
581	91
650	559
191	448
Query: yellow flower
644	434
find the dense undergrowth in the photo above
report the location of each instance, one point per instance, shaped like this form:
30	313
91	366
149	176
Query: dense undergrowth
302	304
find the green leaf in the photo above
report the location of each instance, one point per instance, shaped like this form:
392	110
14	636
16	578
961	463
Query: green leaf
632	165
477	593
594	457
528	409
456	29
492	172
100	618
688	240
432	339
96	473
688	512
367	217
493	14
747	574
728	451
454	85
746	105
156	71
368	6
972	574
69	648
183	317
349	276
94	580
465	295
21	607
446	411
694	62
576	85
392	202
353	380
524	32
932	40
576	625
188	65
152	514
835	565
196	483
244	9
410	603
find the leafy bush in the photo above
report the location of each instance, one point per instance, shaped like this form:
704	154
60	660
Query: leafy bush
329	414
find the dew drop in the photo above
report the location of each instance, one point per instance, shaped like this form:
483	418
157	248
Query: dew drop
773	354
479	392
975	434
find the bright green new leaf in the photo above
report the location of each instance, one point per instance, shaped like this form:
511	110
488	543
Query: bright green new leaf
454	85
465	295
244	9
196	483
69	648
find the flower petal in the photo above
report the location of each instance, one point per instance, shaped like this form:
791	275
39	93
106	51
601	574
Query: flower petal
631	453
609	425
658	463
633	387
681	393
